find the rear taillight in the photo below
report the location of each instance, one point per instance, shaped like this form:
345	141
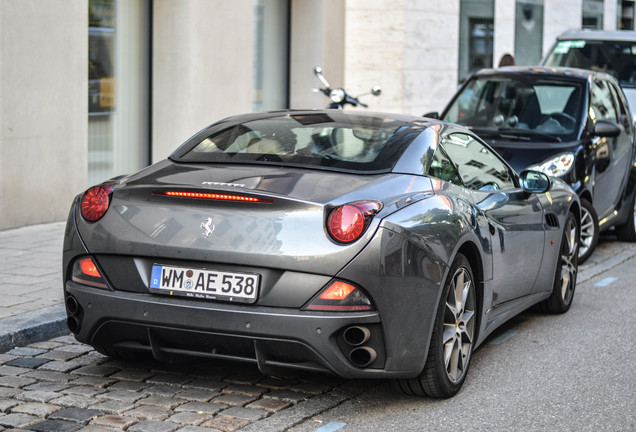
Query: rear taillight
349	221
340	296
85	272
95	202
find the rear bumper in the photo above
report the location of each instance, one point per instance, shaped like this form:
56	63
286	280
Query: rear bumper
273	338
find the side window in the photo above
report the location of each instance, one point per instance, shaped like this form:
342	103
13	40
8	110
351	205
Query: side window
602	104
479	168
442	168
623	113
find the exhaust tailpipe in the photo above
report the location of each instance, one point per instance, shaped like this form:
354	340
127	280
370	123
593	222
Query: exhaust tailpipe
362	356
356	335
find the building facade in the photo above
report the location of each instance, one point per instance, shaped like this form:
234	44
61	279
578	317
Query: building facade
160	70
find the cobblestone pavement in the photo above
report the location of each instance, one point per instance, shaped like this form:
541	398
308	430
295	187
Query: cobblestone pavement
62	385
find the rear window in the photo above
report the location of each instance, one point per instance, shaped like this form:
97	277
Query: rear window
614	57
338	141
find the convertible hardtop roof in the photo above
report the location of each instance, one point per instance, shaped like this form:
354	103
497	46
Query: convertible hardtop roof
333	113
599	35
566	73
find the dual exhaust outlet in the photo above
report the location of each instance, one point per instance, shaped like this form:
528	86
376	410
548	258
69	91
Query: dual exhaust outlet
74	312
361	356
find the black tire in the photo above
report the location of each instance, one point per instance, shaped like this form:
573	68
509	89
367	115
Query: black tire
566	270
589	231
441	377
627	231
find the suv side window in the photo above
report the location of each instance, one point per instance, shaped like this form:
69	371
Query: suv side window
479	167
602	104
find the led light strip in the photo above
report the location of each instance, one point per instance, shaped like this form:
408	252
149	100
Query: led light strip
211	196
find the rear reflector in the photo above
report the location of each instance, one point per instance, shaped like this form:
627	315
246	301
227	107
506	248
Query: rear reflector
85	272
212	196
340	296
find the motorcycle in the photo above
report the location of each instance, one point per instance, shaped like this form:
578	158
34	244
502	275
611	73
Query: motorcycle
339	96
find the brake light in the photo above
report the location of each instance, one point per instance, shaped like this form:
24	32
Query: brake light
95	202
212	196
348	222
85	272
340	296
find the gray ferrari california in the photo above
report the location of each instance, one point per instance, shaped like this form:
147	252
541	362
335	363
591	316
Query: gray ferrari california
362	244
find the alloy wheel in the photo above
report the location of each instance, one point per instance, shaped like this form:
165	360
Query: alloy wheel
587	231
569	260
459	325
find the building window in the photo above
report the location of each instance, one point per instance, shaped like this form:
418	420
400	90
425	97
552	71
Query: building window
528	32
592	14
118	87
271	54
476	30
625	14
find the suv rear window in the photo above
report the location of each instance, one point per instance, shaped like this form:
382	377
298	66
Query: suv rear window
615	57
356	143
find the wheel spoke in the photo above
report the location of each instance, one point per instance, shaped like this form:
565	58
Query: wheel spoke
452	362
459	293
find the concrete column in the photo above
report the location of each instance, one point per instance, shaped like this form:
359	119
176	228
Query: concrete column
504	30
558	16
610	10
317	39
374	51
202	67
431	58
43	109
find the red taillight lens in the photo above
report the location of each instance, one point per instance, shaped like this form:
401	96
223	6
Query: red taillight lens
340	296
86	272
348	222
95	202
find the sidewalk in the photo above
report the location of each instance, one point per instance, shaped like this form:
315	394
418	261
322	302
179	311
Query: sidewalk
31	304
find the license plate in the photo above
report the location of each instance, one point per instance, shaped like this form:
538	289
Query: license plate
204	283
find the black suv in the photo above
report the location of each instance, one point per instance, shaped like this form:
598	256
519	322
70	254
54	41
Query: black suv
611	51
569	123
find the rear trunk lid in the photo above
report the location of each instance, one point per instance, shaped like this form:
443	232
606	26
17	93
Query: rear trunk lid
286	230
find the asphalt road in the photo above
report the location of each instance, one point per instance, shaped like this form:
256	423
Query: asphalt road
571	372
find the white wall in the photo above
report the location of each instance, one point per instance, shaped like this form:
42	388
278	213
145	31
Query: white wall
431	55
374	51
202	67
43	109
558	16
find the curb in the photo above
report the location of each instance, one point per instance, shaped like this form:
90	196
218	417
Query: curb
31	327
596	269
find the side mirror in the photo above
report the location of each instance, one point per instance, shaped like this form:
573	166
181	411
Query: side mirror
376	90
433	115
608	129
534	181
